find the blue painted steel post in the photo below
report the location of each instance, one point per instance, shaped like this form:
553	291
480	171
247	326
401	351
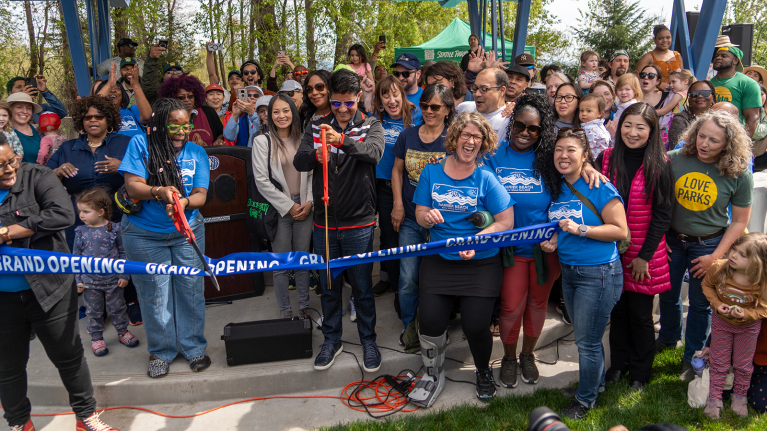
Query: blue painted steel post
93	39
493	11
76	46
105	33
473	7
503	33
702	48
680	29
483	30
520	28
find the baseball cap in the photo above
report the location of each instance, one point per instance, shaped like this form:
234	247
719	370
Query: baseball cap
127	61
169	66
519	70
48	121
126	41
408	61
291	85
524	59
618	53
213	87
235	72
263	101
737	53
255	87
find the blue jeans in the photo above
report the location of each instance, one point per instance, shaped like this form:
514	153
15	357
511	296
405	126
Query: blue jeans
410	233
590	293
346	242
388	238
699	311
173	307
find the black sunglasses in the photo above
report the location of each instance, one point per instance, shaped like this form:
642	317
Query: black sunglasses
650	75
249	72
96	116
405	75
700	93
289	93
426	106
520	127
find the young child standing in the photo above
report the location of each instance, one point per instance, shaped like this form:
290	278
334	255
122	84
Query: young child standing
591	111
102	238
736	289
49	124
588	71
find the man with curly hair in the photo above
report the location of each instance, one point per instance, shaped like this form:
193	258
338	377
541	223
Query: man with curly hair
208	129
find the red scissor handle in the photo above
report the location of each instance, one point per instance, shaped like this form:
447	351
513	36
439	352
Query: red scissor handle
324	166
179	220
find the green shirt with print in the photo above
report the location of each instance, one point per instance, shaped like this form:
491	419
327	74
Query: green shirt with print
703	196
740	90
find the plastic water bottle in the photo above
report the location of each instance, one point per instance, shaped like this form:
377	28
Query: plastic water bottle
698	364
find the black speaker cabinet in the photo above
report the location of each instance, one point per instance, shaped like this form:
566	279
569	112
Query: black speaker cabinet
692	23
742	35
225	228
267	341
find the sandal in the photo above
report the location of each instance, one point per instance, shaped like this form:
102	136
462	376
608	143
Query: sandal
495	328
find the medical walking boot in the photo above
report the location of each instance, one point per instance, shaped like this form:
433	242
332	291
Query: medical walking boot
427	389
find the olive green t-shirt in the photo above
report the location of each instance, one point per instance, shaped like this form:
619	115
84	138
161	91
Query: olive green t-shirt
703	196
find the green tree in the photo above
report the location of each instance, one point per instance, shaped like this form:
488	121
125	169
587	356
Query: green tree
751	11
609	25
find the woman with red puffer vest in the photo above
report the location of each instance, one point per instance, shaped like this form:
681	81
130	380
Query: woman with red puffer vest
638	167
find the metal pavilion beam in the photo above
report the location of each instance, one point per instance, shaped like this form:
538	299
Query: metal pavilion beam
478	22
697	54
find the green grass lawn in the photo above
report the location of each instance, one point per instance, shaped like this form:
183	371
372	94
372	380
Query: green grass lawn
664	399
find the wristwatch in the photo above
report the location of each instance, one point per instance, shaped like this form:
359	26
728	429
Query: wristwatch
4	235
582	230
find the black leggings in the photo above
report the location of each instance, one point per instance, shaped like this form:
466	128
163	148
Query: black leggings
476	312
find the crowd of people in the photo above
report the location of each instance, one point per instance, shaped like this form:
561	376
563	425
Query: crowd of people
648	175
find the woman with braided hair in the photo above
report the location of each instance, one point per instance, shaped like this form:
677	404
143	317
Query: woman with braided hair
155	168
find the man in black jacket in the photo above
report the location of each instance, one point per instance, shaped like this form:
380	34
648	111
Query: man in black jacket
356	145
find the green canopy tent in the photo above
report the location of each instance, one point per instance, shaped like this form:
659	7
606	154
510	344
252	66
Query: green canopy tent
453	43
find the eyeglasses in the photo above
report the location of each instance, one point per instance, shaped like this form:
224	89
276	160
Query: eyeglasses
648	75
520	127
700	93
301	72
405	74
320	87
186	97
249	72
348	103
175	128
92	116
568	98
482	90
466	136
426	106
174	72
254	95
14	163
289	93
571	130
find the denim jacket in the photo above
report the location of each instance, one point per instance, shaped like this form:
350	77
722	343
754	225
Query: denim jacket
40	203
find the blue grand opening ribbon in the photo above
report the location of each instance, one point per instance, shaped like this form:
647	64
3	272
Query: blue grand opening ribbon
27	261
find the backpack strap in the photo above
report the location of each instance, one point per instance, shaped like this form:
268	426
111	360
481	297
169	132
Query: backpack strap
585	201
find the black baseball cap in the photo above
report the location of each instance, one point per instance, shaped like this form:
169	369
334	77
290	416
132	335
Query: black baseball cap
126	41
519	70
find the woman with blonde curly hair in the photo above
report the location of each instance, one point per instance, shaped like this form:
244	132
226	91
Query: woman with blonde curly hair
711	175
447	195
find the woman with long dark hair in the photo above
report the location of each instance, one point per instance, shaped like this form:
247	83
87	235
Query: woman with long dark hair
638	167
157	167
275	151
523	165
412	151
316	97
206	126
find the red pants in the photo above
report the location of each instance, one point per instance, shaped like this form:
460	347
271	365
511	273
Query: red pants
731	345
522	296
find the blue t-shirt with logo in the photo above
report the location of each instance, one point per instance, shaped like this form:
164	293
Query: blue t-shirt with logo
457	200
392	130
131	122
574	249
515	172
12	283
195	172
416	154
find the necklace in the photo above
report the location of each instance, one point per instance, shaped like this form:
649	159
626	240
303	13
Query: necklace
94	145
725	82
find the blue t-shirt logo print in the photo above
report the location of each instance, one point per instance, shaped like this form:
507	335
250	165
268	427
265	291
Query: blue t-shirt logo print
187	171
572	210
456	199
519	180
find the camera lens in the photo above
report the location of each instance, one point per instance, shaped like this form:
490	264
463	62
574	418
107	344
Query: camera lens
543	418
